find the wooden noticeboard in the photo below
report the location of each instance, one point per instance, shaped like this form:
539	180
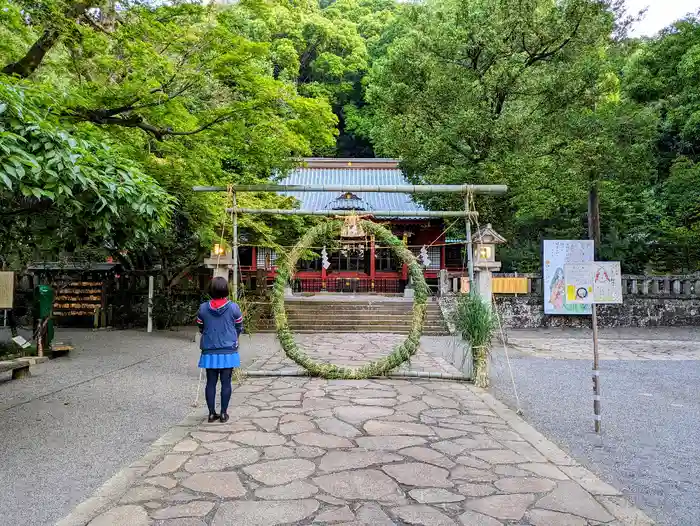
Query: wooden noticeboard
79	298
7	289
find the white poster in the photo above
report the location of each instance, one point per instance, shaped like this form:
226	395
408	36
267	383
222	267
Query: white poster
607	282
556	254
579	283
593	283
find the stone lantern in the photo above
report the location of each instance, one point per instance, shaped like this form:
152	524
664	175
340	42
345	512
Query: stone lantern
484	242
221	260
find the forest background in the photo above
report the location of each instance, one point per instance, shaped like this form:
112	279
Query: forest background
111	111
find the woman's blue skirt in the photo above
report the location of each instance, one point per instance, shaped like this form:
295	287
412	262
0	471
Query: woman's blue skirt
219	361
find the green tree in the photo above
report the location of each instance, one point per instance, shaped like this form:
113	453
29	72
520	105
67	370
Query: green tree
663	74
185	96
59	190
523	93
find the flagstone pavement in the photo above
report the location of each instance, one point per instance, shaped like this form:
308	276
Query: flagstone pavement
305	451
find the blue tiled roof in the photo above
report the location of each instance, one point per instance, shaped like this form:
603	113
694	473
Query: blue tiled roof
351	176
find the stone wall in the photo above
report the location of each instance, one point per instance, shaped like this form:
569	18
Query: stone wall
527	312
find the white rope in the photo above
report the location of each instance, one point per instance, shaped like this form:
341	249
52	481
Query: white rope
519	409
199	388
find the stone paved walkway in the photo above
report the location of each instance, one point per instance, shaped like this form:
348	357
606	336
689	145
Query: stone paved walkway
356	349
377	452
567	348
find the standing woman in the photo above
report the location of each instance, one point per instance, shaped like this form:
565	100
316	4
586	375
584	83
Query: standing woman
220	322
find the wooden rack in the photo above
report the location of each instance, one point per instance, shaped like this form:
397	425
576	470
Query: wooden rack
79	298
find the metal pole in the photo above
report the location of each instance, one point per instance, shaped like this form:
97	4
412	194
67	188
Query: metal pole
150	304
234	286
470	249
372	213
492	189
596	371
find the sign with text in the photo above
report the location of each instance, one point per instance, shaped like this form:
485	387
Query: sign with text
579	283
607	282
7	289
596	282
557	254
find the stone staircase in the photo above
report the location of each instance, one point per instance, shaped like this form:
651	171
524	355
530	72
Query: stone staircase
349	315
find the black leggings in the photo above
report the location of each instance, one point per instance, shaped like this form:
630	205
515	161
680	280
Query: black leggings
210	390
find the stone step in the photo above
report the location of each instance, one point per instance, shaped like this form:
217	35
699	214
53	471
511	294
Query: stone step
318	321
359	316
382	330
362	323
368	308
357	304
355	327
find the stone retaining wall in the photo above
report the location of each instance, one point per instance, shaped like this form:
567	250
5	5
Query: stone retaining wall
527	312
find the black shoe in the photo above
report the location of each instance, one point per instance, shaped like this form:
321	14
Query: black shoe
224	418
213	417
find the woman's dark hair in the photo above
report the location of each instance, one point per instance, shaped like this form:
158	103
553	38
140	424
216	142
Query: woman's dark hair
218	288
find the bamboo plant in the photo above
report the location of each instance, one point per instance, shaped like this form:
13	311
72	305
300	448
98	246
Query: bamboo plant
476	321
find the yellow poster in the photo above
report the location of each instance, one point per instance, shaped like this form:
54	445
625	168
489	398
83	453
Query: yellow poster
7	289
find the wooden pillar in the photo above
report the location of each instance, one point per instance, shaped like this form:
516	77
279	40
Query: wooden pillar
443	257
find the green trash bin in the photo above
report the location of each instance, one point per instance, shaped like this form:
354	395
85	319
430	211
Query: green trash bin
43	301
43	308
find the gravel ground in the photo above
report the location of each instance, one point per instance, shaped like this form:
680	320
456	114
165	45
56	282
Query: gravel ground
79	419
651	424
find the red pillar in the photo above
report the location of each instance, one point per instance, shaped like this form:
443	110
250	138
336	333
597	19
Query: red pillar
323	278
443	259
372	262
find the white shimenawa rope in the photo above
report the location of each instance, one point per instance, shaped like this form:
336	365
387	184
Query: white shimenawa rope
519	410
199	389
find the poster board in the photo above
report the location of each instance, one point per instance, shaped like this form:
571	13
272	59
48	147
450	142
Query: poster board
596	282
556	254
7	289
607	282
579	283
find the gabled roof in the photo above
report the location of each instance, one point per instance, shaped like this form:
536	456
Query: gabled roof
486	234
351	172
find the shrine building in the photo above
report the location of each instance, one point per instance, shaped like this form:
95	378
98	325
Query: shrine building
360	265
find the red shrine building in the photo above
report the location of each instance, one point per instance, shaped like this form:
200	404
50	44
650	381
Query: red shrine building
359	265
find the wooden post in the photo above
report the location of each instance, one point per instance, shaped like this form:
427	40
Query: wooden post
470	249
594	234
150	304
596	371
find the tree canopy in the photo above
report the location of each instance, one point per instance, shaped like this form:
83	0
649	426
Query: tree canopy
178	92
110	113
548	98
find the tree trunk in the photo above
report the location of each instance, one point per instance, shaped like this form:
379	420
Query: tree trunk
594	217
34	57
29	62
